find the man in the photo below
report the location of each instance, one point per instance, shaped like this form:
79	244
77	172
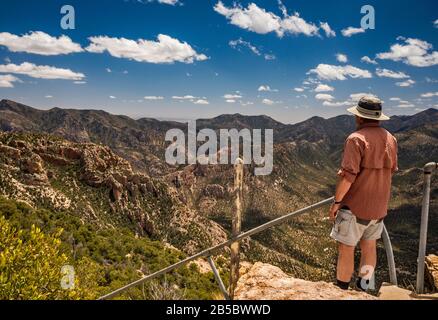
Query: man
363	192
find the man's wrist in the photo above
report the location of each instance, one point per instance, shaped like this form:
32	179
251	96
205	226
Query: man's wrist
336	202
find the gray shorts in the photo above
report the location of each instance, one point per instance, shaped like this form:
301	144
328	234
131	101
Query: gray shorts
349	230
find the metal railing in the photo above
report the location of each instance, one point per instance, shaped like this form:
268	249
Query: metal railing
428	170
210	251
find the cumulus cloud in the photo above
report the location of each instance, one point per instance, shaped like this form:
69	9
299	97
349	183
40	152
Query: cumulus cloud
201	101
324	88
353	99
429	95
268	102
299	89
367	59
407	83
266	88
328	31
435	23
331	72
41	72
350	31
40	43
342	58
336	104
256	19
165	50
112	97
324	97
391	74
7	81
153	98
232	96
413	52
186	97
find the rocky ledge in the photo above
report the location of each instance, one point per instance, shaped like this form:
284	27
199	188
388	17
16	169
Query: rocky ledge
266	282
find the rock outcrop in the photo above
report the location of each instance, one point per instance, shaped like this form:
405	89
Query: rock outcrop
432	270
266	282
93	182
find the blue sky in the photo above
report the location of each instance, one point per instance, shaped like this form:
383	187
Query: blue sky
217	57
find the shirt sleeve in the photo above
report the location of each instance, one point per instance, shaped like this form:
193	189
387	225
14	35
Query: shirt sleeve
350	166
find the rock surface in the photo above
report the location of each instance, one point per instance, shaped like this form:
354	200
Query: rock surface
266	282
432	270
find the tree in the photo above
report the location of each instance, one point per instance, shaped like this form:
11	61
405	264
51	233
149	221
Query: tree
30	264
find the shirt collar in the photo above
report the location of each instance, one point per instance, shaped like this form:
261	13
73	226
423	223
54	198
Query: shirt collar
365	125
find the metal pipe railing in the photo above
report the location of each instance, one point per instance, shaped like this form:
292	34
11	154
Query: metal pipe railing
208	252
428	169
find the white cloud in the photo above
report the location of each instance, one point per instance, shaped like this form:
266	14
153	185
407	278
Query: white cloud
336	104
169	2
108	70
391	74
413	52
48	97
112	97
239	43
355	97
40	43
41	72
429	95
331	72
299	89
79	82
266	89
231	96
186	97
407	83
324	96
7	81
268	102
269	56
230	101
350	31
165	50
201	101
395	99
324	88
328	31
367	59
256	19
435	23
252	18
408	105
153	98
341	58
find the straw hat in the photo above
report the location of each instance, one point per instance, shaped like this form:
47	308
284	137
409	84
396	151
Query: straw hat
369	107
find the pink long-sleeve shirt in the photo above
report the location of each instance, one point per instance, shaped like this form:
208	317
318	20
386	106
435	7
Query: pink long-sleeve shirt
369	160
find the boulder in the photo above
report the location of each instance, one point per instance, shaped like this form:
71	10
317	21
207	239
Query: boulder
266	282
432	270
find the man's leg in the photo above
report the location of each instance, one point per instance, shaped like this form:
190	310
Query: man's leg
345	266
368	260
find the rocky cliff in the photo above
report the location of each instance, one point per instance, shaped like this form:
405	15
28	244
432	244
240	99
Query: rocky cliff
266	282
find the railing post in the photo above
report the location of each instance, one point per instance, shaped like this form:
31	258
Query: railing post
389	256
236	225
428	169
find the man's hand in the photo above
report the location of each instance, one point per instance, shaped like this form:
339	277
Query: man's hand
333	211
